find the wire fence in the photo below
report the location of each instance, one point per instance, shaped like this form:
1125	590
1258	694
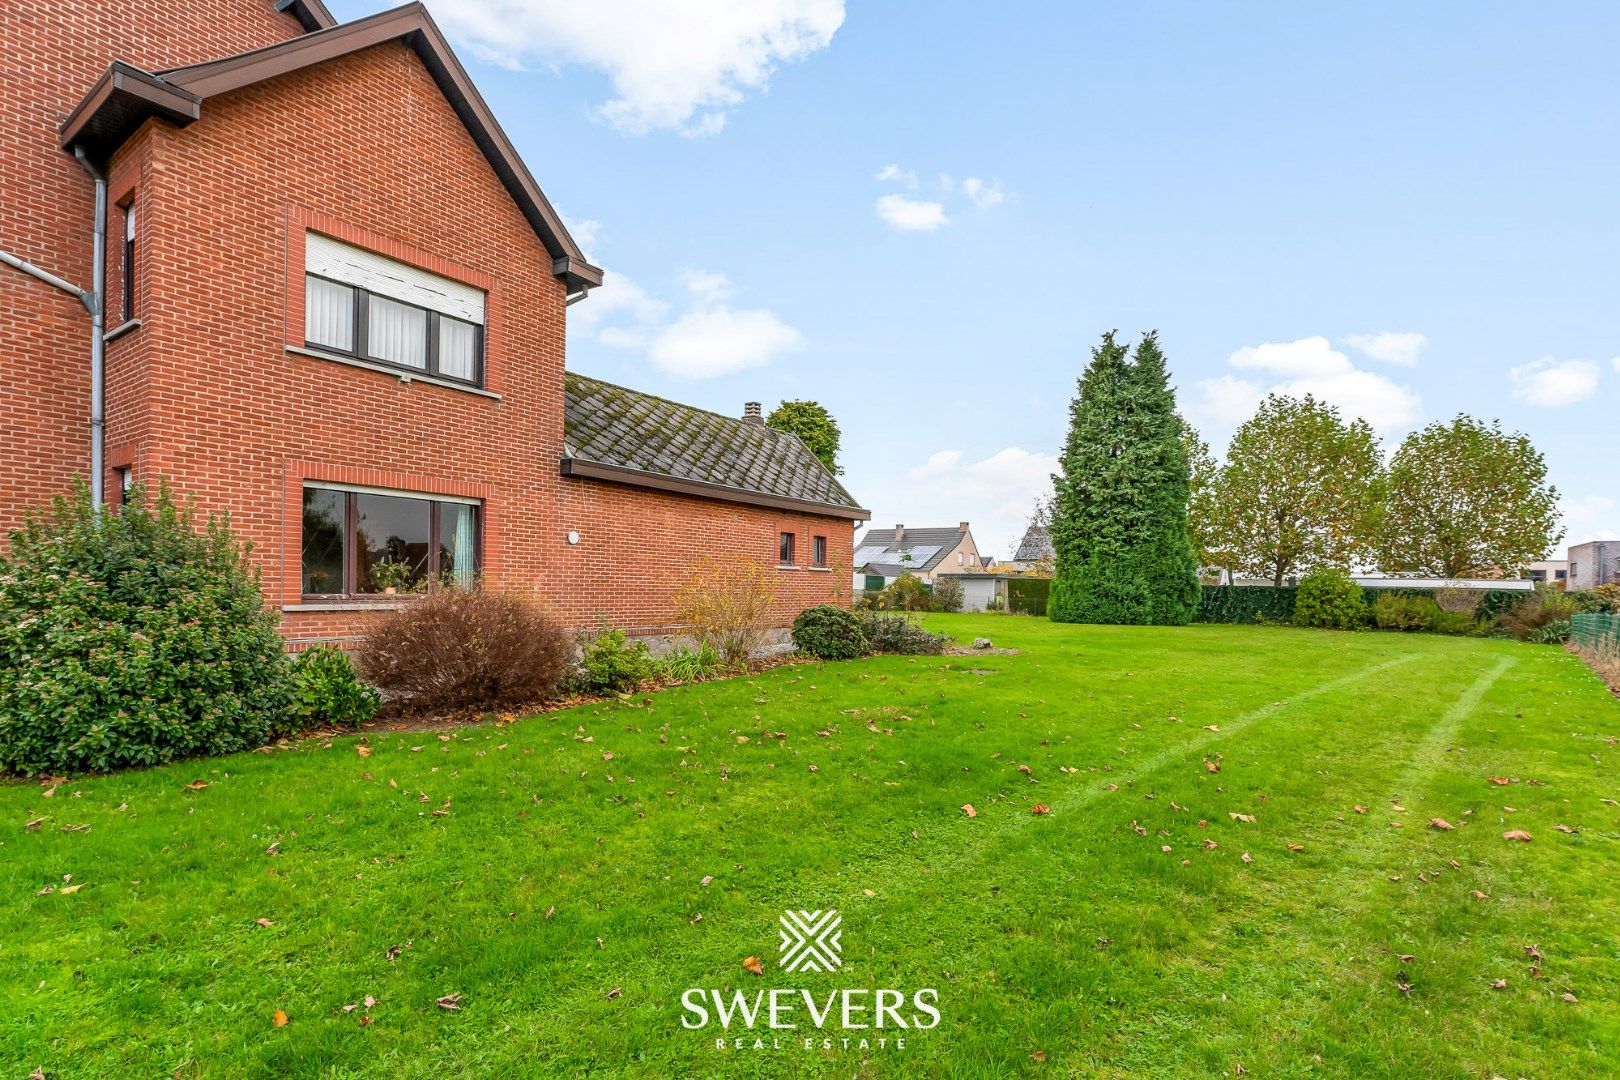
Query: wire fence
1600	633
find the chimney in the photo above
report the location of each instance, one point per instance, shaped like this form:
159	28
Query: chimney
751	413
899	533
961	526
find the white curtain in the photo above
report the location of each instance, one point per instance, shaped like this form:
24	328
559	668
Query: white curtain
328	314
464	547
397	333
456	340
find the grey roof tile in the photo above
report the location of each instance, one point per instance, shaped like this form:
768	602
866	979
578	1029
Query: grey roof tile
617	426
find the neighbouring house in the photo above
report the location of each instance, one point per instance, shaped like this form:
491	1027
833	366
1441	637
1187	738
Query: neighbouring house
335	307
884	554
1550	571
1034	554
981	591
1594	563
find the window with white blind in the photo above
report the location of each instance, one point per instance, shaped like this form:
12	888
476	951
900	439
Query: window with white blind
361	304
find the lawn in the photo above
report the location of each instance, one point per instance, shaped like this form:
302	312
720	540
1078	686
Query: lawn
551	872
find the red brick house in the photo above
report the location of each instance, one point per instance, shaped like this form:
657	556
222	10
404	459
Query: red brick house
335	306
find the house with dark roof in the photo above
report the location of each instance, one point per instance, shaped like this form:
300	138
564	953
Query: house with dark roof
926	552
1034	555
296	268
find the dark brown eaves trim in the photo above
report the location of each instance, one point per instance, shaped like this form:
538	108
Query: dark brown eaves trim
412	25
618	474
120	101
311	14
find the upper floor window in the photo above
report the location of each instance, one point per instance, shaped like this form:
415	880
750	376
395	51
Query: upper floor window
364	305
128	281
784	550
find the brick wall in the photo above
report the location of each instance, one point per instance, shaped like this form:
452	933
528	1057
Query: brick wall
205	392
54	51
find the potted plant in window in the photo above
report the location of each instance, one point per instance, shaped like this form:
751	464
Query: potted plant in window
390	575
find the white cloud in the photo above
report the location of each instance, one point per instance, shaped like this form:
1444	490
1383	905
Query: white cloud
994	494
673	66
1614	362
1591	517
585	231
1553	383
706	339
911	215
1296	368
907	177
1390	346
983	193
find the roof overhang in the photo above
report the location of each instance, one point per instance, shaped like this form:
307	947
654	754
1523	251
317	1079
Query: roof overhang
125	97
311	14
582	469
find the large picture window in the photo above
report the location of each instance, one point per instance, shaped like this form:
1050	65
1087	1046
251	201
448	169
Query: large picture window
363	543
363	305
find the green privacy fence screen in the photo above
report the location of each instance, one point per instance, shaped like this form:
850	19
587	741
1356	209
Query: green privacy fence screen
1600	633
1027	596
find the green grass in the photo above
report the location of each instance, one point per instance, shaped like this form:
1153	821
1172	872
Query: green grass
1069	934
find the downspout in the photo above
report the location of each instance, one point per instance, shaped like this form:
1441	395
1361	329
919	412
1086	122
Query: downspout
96	302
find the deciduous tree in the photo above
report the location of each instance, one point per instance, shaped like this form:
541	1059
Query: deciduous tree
1466	499
1301	488
812	423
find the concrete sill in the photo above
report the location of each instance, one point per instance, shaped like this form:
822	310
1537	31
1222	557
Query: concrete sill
402	376
347	605
787	566
119	331
819	569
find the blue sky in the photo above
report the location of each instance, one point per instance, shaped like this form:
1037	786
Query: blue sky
1411	213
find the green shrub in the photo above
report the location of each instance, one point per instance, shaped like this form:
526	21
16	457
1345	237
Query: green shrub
460	648
685	665
1247	604
1329	600
326	691
947	594
829	633
1534	611
1452	622
613	664
906	593
898	634
1551	633
1394	610
1593	601
132	638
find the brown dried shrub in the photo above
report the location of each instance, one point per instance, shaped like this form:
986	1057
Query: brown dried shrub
727	603
460	648
1458	601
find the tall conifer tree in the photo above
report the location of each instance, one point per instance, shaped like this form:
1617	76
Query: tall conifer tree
1119	523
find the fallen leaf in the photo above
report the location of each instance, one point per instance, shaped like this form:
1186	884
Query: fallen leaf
369	1001
1561	827
1398	808
868	892
1038	1055
68	890
195	785
1517	834
1533	953
613	993
607	755
1245	857
1212	727
263	922
1441	823
550	911
1025	769
1404	988
967	808
1477	895
34	825
1139	830
364	1020
1039	809
1296	847
281	1018
1360	809
450	1002
1246	818
1500	781
1569	997
753	964
1499	984
1211	766
1165	848
706	879
363	751
48	792
1209	845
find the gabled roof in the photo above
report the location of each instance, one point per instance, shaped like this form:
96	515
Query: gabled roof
125	97
628	437
928	548
1035	546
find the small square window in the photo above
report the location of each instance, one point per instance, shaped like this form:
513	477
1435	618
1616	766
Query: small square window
785	550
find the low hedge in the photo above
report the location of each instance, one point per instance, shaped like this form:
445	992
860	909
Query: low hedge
1265	603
